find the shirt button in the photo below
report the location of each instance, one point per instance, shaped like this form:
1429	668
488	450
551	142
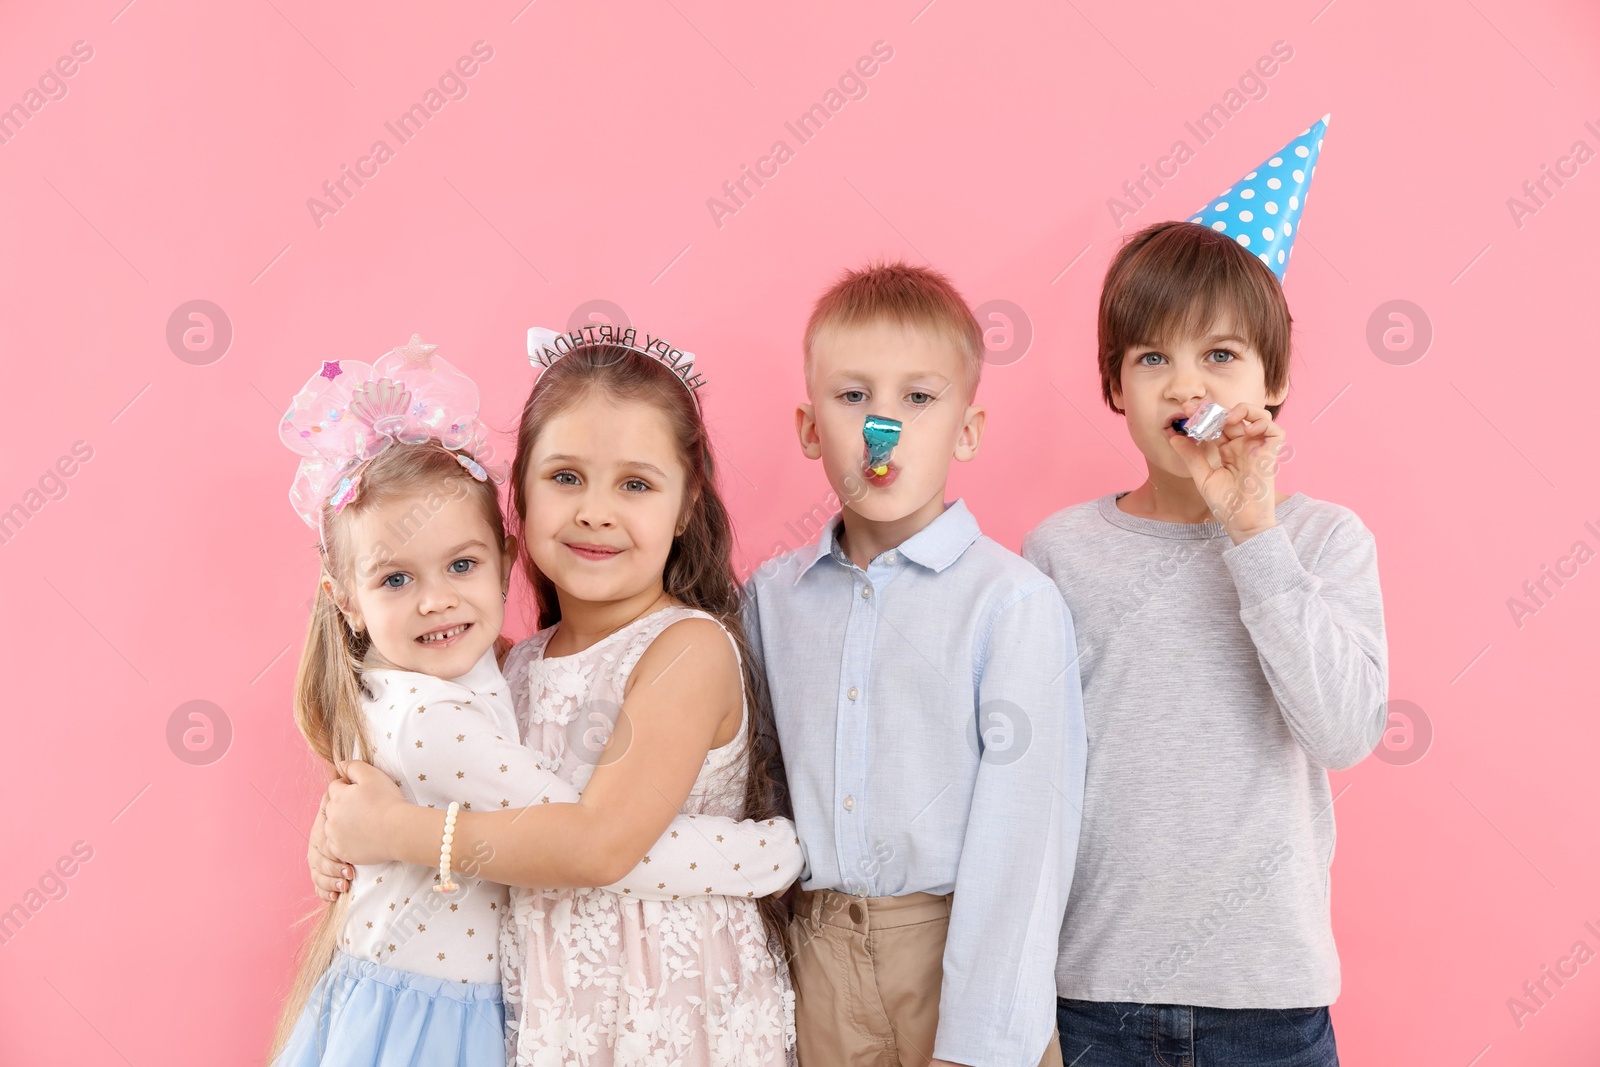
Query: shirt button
854	692
891	558
849	803
866	592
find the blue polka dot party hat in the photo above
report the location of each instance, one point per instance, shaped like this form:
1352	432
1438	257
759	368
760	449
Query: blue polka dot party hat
1262	210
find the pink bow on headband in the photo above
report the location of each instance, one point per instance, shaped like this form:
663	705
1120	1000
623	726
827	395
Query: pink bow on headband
348	412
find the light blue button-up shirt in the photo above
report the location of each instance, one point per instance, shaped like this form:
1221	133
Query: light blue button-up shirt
932	731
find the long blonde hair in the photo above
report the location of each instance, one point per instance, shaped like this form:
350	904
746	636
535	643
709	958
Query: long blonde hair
327	700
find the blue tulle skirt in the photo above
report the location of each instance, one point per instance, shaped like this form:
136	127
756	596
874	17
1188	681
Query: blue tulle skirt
363	1014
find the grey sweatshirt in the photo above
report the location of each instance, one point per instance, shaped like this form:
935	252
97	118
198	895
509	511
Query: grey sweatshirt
1220	683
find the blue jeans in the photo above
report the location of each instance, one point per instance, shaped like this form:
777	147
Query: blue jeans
1173	1035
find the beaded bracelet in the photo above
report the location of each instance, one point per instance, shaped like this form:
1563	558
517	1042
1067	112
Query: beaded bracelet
445	884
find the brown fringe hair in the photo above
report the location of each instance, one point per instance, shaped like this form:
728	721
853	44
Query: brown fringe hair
327	704
1172	279
699	570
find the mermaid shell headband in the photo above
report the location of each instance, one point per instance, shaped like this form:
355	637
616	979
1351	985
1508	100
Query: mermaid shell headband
349	412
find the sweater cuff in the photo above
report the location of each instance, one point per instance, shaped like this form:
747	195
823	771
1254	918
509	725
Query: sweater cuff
1265	566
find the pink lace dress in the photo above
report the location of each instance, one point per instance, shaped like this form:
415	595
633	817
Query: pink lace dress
594	978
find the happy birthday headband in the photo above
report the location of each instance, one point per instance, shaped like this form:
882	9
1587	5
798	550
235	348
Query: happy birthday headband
546	347
349	412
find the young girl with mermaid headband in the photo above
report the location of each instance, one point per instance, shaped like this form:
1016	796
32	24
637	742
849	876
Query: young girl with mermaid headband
628	544
400	670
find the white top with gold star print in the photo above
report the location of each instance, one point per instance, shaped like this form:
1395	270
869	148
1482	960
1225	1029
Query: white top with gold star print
445	740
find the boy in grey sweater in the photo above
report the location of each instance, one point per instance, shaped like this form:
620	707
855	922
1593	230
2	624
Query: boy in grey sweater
1232	651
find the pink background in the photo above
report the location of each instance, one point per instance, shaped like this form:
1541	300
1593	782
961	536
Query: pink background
578	168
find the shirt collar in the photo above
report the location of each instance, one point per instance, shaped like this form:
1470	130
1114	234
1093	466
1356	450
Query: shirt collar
827	545
935	546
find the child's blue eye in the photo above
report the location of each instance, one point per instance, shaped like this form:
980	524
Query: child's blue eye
559	475
396	581
462	566
853	396
641	485
1231	356
921	399
1150	355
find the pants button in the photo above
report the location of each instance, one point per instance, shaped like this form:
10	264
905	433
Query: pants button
856	914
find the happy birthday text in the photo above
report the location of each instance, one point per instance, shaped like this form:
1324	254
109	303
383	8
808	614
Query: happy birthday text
657	348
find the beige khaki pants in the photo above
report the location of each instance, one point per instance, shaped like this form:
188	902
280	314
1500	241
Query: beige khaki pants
867	973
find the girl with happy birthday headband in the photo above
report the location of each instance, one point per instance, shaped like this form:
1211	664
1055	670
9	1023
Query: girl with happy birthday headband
400	670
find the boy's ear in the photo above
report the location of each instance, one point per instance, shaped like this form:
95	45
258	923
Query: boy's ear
971	433
805	427
1277	397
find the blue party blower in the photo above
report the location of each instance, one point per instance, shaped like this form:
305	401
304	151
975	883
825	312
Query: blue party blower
881	435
